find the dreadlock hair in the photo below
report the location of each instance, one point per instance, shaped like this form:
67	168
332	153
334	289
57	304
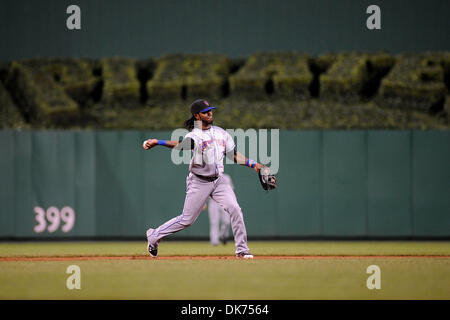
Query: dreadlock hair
189	123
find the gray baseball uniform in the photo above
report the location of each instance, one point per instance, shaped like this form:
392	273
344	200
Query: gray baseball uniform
219	219
206	179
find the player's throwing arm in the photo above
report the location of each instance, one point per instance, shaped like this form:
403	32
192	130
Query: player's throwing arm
150	143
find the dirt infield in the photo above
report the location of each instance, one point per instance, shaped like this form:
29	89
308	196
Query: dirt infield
199	257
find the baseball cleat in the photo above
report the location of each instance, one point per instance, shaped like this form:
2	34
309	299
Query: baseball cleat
244	255
151	248
223	240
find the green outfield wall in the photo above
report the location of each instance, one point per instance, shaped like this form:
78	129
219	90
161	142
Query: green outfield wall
343	184
150	28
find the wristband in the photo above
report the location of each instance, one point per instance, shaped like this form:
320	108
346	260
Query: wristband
250	163
162	142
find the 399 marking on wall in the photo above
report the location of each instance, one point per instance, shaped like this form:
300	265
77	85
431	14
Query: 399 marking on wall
50	219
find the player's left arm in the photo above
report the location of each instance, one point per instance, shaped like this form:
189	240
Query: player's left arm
232	153
239	158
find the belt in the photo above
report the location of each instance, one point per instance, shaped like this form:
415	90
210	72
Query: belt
210	179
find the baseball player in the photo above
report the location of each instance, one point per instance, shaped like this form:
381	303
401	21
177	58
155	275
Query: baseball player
219	219
205	179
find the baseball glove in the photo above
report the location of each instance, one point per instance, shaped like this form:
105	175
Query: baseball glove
268	180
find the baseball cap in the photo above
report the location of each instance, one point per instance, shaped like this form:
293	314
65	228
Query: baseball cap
200	105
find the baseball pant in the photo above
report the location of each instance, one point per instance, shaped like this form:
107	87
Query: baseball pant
219	222
197	192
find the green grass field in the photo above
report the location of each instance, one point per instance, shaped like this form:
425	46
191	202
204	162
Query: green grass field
414	273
